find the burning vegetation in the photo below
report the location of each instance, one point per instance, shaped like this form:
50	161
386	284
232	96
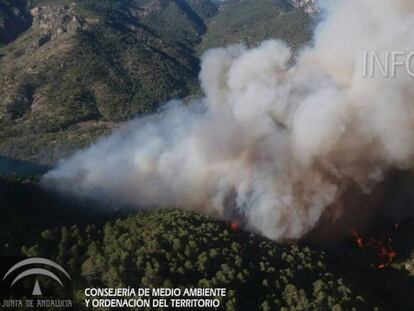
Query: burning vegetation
383	247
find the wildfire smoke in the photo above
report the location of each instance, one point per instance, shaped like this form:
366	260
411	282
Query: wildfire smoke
278	138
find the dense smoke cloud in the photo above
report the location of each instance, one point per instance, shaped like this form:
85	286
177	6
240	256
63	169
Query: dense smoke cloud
277	139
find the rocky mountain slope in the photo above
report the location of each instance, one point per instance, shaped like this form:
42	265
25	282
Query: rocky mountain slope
84	66
309	6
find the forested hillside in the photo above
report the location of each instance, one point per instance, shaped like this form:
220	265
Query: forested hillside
251	21
171	248
84	66
103	246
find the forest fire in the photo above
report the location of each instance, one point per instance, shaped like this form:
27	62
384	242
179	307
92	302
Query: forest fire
234	226
383	248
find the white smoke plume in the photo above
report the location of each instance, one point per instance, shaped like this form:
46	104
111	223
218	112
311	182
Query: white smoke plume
278	137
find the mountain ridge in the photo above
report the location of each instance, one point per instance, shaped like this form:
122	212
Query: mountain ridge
82	67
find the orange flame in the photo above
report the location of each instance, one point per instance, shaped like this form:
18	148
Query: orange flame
383	248
234	226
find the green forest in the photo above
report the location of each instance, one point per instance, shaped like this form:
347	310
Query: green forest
113	247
